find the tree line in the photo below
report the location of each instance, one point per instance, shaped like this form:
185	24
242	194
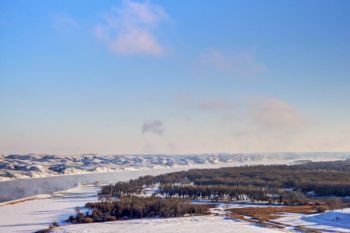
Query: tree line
233	193
323	178
138	207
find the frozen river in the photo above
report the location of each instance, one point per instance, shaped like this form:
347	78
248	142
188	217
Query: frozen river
15	189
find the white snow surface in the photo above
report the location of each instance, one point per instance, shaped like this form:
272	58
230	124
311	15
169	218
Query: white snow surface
207	224
329	221
339	218
38	212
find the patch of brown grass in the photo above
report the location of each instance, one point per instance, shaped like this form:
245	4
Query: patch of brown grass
263	214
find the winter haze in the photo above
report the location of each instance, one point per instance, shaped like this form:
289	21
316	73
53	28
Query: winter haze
123	76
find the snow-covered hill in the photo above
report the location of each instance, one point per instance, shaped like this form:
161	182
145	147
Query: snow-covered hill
42	165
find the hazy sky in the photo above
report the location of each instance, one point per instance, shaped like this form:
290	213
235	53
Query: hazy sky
174	76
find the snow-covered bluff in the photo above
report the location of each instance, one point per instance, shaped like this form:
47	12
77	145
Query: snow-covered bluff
42	165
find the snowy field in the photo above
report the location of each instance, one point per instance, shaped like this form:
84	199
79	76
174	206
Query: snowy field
38	213
332	221
207	224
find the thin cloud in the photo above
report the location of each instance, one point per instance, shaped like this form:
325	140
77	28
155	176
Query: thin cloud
276	114
262	112
241	64
130	29
153	126
215	105
64	22
208	104
268	124
252	123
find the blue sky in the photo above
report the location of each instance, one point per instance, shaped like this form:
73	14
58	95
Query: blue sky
174	77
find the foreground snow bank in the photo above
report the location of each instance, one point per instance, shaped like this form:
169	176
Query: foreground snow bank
339	218
36	213
207	224
330	221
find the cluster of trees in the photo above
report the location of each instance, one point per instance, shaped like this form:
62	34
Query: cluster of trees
233	193
322	188
138	207
123	188
323	178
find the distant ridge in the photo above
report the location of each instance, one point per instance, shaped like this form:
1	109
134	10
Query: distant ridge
15	166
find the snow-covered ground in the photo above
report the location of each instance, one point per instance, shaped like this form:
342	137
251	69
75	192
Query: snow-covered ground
34	213
43	165
329	221
207	224
38	212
